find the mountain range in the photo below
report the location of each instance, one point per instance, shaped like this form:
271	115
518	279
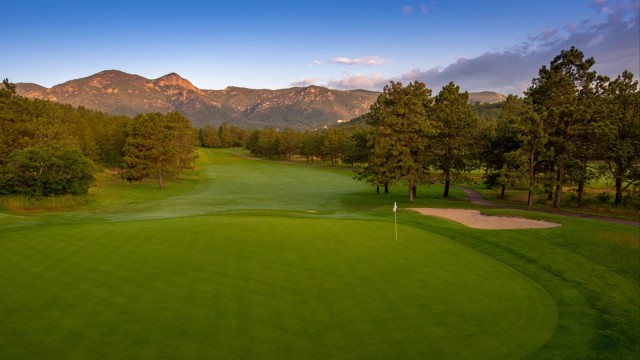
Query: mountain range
119	93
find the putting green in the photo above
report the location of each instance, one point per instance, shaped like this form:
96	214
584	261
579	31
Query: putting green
260	287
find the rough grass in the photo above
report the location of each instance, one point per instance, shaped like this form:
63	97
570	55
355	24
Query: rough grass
597	201
261	260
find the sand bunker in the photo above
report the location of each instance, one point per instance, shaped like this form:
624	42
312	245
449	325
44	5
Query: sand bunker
473	218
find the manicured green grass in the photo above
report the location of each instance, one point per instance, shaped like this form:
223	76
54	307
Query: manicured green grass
249	259
238	286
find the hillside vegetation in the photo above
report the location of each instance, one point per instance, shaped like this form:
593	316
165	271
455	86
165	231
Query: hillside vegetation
305	108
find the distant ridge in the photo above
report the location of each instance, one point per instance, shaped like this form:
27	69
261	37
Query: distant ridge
486	97
119	93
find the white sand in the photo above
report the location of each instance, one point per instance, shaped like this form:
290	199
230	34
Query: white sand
473	218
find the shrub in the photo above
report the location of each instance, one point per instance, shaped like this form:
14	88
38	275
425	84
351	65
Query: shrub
603	197
47	170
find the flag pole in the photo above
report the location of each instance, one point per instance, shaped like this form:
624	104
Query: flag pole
395	218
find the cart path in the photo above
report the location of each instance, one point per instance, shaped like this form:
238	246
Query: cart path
475	197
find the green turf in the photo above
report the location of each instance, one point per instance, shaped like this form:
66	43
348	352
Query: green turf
262	287
250	259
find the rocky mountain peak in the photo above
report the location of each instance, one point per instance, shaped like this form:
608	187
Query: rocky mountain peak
119	93
174	79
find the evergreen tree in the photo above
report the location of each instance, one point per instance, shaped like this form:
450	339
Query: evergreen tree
160	146
452	146
400	119
224	133
562	92
622	140
527	161
269	143
289	144
500	141
209	137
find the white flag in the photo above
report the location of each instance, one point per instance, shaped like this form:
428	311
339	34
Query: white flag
395	206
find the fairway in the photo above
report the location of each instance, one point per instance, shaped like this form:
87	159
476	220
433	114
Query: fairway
260	260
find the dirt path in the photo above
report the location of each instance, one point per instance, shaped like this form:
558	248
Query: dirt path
475	197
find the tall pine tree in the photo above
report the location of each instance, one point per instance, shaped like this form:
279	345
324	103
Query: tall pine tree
400	119
159	146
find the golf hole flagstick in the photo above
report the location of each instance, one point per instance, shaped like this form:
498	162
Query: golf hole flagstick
395	218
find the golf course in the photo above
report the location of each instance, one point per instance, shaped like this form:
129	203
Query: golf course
254	259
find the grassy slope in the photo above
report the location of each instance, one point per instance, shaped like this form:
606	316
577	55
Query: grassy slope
170	278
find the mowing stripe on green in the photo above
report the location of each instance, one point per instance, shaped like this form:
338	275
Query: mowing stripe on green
234	286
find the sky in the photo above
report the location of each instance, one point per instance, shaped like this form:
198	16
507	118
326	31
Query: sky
481	45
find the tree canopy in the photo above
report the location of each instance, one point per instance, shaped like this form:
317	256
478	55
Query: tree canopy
402	127
160	146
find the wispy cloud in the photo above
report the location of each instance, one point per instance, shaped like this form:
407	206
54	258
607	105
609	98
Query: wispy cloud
315	63
305	82
549	33
408	9
373	81
364	61
601	5
613	43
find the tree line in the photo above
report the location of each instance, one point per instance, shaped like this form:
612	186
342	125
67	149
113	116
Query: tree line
48	148
571	126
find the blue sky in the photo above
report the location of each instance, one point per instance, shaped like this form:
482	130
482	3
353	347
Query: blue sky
492	45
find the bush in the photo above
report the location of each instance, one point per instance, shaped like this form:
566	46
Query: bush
47	170
603	197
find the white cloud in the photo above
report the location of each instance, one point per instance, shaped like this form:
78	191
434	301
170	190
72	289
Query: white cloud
364	61
305	82
373	81
613	44
408	9
315	63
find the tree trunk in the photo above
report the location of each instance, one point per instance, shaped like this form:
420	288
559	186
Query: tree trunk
580	192
415	190
550	192
161	181
502	190
559	179
411	194
532	177
386	188
377	189
618	199
447	182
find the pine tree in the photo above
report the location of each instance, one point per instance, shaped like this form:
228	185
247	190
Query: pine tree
160	146
400	119
452	147
562	92
622	141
